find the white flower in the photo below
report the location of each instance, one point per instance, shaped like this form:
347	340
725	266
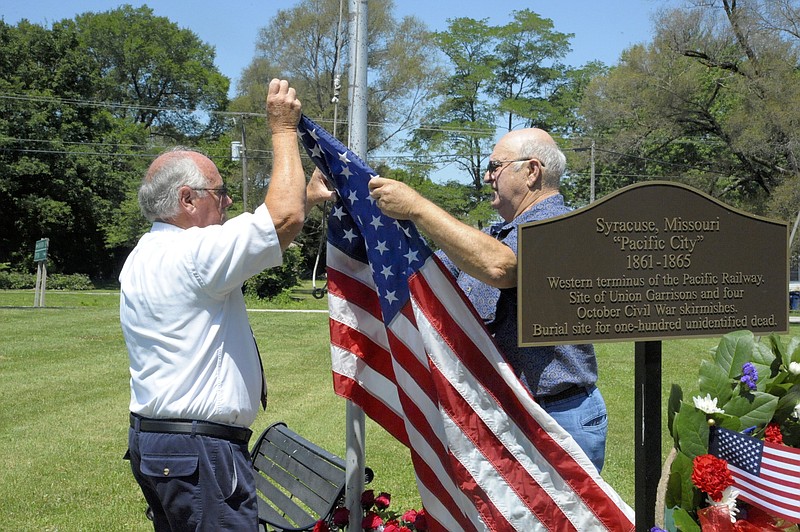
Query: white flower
796	412
728	499
794	368
707	404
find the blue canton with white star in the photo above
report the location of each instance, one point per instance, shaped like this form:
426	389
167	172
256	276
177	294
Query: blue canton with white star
739	450
394	249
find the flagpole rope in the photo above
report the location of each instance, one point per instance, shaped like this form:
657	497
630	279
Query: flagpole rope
319	293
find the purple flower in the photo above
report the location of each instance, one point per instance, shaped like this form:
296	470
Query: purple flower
749	375
656	529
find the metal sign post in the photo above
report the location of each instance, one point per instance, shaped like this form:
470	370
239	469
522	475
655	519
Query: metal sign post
40	258
647	437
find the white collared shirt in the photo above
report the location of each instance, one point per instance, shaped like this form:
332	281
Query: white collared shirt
182	311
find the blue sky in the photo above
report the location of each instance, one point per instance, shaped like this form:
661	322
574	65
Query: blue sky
602	28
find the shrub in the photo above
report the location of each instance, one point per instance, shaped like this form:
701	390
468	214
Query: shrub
16	280
12	280
272	282
73	281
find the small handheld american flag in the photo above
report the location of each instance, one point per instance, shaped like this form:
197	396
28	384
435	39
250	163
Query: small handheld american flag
767	475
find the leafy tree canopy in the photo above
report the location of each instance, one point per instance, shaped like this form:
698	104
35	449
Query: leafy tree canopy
166	74
80	105
511	75
711	102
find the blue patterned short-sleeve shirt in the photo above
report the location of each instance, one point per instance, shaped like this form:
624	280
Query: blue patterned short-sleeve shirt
545	370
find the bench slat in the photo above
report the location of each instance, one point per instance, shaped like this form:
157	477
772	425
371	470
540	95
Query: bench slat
279	509
298	469
310	451
297	481
291	484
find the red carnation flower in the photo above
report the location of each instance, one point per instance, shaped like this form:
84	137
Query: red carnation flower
383	500
711	475
367	499
371	520
410	516
773	434
321	526
341	517
392	526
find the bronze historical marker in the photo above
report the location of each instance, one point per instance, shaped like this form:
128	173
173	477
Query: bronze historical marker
651	261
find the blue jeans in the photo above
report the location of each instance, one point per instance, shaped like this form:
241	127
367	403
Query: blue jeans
586	419
194	483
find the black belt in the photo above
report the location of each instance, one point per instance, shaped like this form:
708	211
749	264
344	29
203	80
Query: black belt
572	391
203	428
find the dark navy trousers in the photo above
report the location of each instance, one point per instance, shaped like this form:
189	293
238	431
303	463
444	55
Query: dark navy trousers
194	482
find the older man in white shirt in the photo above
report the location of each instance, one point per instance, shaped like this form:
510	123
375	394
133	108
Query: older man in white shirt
196	375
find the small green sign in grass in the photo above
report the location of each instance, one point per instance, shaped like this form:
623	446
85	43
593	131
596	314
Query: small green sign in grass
40	251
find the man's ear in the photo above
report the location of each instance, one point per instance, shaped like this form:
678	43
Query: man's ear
534	177
186	199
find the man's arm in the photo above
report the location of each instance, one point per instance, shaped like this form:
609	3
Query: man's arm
286	196
471	250
317	190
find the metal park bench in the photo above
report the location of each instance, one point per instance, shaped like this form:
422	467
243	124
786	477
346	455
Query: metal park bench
298	482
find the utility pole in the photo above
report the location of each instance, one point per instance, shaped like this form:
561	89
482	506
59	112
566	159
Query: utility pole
244	166
591	192
591	171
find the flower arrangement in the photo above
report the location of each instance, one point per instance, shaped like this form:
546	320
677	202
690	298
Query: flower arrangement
750	386
377	517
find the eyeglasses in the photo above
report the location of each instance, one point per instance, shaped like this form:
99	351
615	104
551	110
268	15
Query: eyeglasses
221	192
493	166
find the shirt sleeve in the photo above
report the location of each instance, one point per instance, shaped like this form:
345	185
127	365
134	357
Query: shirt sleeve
231	253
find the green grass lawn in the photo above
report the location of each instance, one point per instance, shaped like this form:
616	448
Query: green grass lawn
64	408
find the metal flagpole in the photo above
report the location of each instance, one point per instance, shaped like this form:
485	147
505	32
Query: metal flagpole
357	141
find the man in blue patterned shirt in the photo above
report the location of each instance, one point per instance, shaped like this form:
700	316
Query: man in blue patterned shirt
524	171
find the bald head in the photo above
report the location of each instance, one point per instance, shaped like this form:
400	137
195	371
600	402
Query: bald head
535	143
177	157
518	137
158	195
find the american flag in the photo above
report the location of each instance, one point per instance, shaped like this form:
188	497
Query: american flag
409	349
766	474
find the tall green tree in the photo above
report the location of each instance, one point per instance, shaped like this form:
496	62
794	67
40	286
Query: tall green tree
85	105
499	77
63	167
164	75
460	129
529	70
711	102
164	80
308	44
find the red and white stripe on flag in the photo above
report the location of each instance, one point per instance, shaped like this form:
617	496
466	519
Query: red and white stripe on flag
776	488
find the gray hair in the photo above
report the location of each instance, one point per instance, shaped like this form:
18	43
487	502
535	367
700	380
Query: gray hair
158	194
553	159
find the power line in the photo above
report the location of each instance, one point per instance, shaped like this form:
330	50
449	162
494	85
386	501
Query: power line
245	114
408	158
664	163
116	105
